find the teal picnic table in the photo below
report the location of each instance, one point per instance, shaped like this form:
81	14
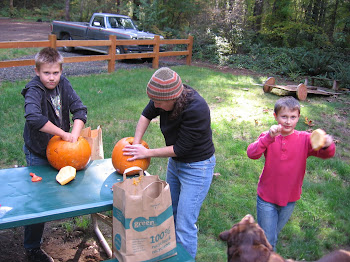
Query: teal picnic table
23	202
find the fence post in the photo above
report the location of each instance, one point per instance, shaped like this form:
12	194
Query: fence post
53	41
111	52
189	49
155	61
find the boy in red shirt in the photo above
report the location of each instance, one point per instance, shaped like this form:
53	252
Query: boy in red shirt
286	151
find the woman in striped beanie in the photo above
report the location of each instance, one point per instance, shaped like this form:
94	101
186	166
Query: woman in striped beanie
185	125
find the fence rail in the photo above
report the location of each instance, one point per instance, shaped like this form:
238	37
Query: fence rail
112	43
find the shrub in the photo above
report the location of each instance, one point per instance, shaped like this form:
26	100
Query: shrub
316	62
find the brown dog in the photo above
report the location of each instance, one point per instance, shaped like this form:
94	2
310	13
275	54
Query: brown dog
246	242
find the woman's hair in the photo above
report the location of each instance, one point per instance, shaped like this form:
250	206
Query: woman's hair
287	102
181	102
48	55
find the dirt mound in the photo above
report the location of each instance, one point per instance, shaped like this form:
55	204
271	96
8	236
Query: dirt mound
77	245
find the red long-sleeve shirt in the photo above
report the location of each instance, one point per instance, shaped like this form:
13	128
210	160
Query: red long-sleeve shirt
285	162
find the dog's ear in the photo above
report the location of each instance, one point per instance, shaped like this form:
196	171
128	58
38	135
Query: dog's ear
224	235
229	235
260	238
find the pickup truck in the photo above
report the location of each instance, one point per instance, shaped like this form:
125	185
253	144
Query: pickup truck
102	25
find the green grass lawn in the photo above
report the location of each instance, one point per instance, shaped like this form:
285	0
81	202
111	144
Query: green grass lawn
240	111
11	53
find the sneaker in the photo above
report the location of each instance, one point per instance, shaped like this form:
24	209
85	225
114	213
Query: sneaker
38	255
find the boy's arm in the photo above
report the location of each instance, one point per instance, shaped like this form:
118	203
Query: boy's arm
52	129
327	151
78	125
257	149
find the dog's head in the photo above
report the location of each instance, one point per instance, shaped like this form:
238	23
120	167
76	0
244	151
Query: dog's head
246	242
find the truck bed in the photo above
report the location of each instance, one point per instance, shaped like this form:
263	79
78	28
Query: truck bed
72	23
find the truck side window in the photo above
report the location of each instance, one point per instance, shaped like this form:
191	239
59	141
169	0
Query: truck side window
113	22
98	21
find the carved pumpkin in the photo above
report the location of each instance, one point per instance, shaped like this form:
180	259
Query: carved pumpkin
61	153
120	162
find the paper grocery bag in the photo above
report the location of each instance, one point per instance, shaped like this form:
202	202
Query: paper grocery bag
143	222
94	137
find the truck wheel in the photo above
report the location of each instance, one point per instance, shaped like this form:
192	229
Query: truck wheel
67	49
147	60
119	50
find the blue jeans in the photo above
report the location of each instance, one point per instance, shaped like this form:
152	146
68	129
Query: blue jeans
33	233
272	218
189	184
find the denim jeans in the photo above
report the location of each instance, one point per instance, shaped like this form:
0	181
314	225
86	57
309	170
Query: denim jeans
272	218
189	184
33	233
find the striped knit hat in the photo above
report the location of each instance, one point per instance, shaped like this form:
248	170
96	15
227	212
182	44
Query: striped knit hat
165	84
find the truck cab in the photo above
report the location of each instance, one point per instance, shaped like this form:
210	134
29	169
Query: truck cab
100	27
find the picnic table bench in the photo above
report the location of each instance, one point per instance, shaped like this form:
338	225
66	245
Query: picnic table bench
23	202
301	89
335	85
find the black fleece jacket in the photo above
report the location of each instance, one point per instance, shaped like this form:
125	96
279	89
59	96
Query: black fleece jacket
190	133
39	110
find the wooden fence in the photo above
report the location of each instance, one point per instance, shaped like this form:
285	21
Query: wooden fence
110	57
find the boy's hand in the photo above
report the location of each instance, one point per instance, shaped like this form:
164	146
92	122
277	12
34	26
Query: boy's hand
74	138
67	137
329	140
275	130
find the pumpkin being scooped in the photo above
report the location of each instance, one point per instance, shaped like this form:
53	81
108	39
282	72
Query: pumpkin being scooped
120	161
61	153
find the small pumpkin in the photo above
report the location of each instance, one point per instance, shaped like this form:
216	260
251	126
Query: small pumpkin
120	161
66	174
61	153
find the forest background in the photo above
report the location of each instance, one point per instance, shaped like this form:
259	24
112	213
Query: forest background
290	38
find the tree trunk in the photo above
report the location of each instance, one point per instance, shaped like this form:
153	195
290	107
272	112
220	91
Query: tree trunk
11	4
118	6
332	20
137	4
316	13
81	10
308	12
346	28
322	16
67	10
257	14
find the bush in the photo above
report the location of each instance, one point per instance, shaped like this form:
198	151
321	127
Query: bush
316	62
341	72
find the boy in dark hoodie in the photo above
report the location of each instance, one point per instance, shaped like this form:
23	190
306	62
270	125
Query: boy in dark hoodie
49	100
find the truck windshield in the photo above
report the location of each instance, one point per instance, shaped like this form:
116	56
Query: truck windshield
120	22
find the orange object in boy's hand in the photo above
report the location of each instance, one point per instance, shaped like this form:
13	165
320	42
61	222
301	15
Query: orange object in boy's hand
318	139
35	178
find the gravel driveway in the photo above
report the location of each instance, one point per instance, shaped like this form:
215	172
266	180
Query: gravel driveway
82	68
12	30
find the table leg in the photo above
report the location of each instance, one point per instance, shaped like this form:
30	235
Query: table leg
101	238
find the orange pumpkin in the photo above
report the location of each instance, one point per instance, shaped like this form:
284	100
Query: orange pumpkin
120	162
61	153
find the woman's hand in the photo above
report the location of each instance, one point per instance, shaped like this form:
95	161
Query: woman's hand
136	151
